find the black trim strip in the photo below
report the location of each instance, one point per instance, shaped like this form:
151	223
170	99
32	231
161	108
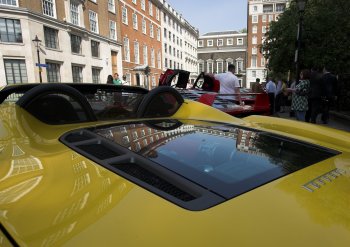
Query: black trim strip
8	236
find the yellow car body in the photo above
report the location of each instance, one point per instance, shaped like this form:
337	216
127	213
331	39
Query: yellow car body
50	195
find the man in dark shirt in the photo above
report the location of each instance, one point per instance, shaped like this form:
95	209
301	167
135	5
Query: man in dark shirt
314	99
330	93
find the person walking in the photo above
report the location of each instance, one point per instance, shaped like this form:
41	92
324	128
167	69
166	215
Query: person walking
271	92
229	83
330	92
300	97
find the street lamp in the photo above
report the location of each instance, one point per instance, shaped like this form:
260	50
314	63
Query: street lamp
37	42
301	7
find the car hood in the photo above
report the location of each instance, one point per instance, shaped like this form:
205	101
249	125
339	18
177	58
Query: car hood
64	198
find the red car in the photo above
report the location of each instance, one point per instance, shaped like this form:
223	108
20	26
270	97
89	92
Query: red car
206	90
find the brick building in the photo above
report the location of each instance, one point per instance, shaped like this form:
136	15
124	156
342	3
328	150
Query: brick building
216	50
260	14
80	40
142	45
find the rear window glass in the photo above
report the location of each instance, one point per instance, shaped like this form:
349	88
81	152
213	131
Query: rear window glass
225	159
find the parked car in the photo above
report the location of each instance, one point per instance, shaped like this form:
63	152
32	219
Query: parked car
106	165
206	90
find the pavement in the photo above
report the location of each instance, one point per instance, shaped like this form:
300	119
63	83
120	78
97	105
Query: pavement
338	119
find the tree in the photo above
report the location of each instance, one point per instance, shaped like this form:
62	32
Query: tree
325	40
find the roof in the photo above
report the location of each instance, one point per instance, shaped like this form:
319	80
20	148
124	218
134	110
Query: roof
220	33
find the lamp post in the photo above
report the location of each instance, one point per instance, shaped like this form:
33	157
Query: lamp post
301	7
37	42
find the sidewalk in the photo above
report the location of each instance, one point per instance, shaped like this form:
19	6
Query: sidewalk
341	114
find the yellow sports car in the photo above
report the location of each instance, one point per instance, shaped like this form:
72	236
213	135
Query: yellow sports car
105	165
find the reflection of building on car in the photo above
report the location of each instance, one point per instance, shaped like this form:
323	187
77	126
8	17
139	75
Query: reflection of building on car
206	90
85	164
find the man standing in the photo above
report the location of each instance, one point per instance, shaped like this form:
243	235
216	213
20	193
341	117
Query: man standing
330	91
229	83
271	91
116	80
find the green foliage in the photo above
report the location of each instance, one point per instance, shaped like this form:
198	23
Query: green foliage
325	37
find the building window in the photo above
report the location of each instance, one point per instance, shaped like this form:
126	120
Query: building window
264	18
280	7
16	71
113	30
253	73
262	62
150	5
220	42
153	58
126	50
253	61
239	66
255	8
145	55
53	72
220	67
111	6
134	1
165	48
93	21
254	29
49	8
165	32
10	31
51	37
74	13
254	50
165	62
125	15
200	43
151	31
158	34
210	67
9	2
254	19
75	42
157	13
77	72
239	41
270	18
254	40
268	8
201	67
144	28
134	21
159	59
95	48
96	75
210	42
229	41
137	52
143	5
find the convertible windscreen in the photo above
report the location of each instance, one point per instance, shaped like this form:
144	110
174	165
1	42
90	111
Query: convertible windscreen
224	159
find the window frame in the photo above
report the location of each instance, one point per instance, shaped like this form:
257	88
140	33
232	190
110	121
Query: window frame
16	34
21	67
46	4
51	39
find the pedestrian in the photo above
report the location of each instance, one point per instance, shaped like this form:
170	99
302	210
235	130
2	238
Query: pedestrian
300	97
314	99
109	79
229	83
116	80
330	93
124	80
271	91
257	87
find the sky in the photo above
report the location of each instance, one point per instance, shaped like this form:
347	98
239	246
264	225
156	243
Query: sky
213	15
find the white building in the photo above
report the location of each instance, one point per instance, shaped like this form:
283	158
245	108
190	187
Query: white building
74	46
179	40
